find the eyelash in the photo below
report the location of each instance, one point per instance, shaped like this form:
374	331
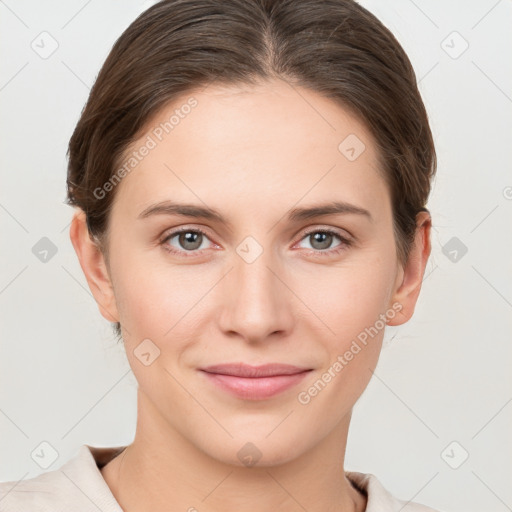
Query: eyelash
345	242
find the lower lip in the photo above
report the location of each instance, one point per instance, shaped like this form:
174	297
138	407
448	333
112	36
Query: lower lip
255	388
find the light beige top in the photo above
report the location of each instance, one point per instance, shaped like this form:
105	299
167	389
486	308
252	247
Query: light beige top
78	486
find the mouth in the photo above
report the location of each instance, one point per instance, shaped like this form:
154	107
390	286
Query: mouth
255	382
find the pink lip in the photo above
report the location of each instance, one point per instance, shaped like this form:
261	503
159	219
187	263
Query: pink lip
255	382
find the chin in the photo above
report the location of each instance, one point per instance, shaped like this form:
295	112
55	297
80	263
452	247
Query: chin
255	449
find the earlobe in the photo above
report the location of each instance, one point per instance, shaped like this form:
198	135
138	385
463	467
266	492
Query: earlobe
94	267
410	279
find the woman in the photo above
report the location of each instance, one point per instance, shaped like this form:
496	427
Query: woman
250	180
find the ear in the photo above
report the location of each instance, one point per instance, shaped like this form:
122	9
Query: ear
94	267
410	278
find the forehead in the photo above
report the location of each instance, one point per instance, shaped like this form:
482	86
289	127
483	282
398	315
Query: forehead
258	144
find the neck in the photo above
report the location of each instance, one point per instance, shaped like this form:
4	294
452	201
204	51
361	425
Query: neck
162	470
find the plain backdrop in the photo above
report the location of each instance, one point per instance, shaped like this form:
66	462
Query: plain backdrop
434	423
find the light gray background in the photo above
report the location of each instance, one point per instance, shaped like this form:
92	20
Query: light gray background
443	377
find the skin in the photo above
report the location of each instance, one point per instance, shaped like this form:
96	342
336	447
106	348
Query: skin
253	154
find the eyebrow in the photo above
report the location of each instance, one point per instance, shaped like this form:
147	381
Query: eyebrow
294	215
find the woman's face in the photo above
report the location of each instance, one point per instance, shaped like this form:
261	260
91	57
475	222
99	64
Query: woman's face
262	284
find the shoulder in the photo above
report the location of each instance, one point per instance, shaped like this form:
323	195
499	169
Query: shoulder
379	498
77	485
40	493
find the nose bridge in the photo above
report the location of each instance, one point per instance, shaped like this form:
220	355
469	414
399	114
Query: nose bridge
258	303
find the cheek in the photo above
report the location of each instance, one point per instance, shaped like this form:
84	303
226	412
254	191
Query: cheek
351	297
160	304
151	299
350	311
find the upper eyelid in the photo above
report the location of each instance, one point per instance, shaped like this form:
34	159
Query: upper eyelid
176	231
338	231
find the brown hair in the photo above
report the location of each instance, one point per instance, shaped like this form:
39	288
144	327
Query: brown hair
334	47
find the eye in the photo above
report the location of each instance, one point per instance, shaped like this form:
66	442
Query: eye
321	241
186	240
192	240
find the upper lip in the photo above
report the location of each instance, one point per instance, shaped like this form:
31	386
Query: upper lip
245	370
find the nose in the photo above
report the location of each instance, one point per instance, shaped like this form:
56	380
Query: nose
256	301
